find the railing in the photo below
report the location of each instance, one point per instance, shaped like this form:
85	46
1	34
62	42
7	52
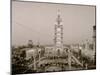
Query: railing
57	60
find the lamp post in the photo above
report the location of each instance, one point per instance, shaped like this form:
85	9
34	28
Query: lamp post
69	59
39	51
34	63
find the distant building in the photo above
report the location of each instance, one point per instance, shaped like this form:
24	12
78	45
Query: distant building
49	50
30	52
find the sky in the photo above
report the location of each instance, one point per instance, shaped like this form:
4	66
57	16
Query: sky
36	21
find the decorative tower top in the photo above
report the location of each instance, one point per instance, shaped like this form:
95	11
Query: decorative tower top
59	20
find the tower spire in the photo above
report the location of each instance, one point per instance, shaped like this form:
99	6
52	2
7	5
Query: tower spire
58	17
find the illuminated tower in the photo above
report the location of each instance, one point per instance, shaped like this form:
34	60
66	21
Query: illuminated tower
58	39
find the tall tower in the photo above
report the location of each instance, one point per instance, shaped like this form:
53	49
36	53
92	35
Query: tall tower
94	43
94	37
58	39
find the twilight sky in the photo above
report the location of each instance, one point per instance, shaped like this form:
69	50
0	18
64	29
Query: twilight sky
36	21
